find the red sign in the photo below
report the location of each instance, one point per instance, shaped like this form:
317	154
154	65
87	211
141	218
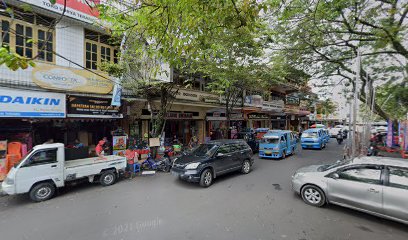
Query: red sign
84	6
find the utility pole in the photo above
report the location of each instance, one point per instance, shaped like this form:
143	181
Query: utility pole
356	85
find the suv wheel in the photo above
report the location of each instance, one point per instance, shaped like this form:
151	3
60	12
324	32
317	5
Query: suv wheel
206	178
246	167
313	195
42	192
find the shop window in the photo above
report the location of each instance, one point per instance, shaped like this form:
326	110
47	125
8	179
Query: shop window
98	50
91	55
5	35
45	46
27	34
23	46
105	54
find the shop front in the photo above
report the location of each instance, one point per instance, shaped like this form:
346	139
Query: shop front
259	120
278	121
182	123
23	116
90	119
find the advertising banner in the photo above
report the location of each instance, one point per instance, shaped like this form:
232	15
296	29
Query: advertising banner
389	133
92	108
31	104
70	79
116	95
79	9
119	145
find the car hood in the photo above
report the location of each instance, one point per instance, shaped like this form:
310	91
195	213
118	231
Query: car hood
189	158
311	168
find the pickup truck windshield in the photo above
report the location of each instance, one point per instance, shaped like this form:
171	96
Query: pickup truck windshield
205	150
309	135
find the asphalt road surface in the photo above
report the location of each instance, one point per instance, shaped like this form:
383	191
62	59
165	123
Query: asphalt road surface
260	205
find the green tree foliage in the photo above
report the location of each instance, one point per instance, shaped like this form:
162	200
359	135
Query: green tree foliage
322	37
394	99
326	107
214	38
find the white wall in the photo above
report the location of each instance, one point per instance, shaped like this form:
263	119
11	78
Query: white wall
70	43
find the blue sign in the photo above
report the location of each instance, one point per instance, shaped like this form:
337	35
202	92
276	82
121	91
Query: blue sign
31	104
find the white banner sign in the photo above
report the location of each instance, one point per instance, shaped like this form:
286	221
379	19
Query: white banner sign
31	104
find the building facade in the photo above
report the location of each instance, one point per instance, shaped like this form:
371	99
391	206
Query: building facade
65	96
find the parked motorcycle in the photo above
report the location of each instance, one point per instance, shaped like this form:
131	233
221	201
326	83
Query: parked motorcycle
339	138
165	163
372	149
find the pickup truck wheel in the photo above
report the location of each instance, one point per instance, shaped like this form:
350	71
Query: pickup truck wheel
42	192
107	178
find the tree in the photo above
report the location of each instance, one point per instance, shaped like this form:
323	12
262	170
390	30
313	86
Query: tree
181	33
324	37
394	98
326	107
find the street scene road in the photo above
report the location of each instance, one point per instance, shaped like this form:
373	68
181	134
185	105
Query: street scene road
259	205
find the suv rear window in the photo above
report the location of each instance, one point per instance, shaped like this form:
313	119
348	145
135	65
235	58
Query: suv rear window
224	149
243	146
235	147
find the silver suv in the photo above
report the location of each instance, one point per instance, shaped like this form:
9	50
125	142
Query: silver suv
374	185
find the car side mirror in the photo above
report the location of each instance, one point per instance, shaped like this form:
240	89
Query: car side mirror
335	176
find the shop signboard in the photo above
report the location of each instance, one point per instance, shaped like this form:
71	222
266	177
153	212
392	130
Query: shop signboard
70	79
275	105
258	116
253	101
292	100
78	9
216	116
92	108
176	115
236	116
119	145
31	104
197	96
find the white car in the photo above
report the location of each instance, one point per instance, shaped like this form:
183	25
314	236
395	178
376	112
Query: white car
375	185
335	130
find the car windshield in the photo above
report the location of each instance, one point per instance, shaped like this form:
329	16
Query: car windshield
205	150
309	135
326	167
271	140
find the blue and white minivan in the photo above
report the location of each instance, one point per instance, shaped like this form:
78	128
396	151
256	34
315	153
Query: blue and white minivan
314	138
277	144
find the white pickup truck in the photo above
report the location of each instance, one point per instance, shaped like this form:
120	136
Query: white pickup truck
44	169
